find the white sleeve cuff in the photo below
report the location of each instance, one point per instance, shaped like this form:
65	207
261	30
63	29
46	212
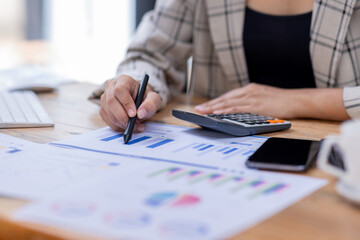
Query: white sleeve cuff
351	97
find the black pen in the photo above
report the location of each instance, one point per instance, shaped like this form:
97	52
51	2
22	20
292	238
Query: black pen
138	100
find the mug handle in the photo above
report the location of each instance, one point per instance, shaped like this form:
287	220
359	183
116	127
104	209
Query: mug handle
323	157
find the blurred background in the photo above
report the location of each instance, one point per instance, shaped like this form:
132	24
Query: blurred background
80	39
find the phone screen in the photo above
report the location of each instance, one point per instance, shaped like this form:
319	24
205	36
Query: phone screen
284	154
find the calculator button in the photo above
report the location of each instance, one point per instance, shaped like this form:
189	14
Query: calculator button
276	121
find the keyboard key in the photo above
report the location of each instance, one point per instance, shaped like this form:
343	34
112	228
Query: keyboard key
14	108
22	109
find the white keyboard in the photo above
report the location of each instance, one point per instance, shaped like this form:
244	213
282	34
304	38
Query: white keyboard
22	109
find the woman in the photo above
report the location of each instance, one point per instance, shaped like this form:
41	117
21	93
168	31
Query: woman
282	58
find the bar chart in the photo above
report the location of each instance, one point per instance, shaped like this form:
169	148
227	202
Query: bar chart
111	138
173	144
179	201
13	150
254	187
138	139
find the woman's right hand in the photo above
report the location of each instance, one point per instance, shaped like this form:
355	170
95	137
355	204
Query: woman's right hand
117	103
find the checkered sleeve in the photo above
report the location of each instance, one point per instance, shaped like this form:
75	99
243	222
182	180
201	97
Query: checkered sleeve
161	46
351	98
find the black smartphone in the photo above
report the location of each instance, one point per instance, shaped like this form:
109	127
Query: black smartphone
284	154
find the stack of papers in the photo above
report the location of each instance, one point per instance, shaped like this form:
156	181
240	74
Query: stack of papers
169	183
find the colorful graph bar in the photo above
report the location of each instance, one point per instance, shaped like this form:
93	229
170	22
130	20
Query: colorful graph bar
14	151
174	170
215	176
108	139
199	146
269	190
223	149
248	152
238	179
158	144
190	174
231	150
275	188
194	173
256	183
206	147
113	164
244	184
140	139
170	171
227	180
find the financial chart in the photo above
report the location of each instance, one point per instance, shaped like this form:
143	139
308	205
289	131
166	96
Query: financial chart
164	201
173	144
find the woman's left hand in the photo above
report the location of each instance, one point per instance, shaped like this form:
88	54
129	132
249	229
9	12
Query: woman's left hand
254	98
320	103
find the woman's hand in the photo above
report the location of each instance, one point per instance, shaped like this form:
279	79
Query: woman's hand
254	98
117	103
281	103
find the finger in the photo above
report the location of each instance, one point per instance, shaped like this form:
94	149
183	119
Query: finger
233	109
236	93
139	127
113	109
227	103
203	109
106	119
125	92
207	107
150	105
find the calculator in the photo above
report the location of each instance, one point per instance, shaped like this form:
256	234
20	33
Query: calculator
236	124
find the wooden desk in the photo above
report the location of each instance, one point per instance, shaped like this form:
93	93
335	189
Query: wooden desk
322	215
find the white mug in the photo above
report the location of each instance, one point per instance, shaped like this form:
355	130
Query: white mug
346	147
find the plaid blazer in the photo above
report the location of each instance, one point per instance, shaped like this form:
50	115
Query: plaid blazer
211	32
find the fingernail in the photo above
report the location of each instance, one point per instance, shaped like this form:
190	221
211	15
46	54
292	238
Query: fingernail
217	112
142	113
200	107
131	112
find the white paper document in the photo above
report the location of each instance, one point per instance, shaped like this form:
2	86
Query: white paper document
169	183
172	144
10	146
165	201
31	171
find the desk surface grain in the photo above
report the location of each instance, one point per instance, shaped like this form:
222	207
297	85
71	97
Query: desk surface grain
322	215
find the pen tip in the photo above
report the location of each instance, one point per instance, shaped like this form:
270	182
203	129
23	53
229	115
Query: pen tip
126	138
